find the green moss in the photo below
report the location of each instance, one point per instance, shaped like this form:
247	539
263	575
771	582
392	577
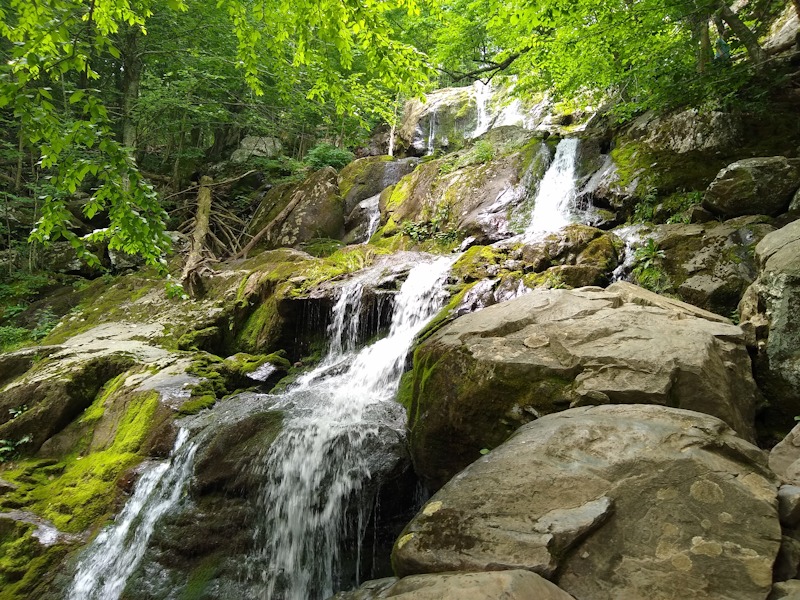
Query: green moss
195	405
79	492
475	261
25	564
200	578
200	339
444	316
400	193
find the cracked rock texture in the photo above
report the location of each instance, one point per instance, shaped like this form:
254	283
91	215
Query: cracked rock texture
610	502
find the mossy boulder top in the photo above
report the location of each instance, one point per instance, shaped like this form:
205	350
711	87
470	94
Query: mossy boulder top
754	186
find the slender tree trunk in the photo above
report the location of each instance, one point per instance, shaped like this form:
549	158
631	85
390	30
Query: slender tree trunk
131	81
705	47
20	162
747	37
192	270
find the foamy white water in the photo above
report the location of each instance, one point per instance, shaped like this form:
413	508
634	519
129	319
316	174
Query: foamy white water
553	205
116	552
315	470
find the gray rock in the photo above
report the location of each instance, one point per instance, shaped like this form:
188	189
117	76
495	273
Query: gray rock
480	377
493	585
789	505
312	209
788	560
694	508
784	459
711	265
785	590
754	186
266	147
769	312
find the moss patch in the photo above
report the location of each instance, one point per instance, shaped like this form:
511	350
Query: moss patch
79	491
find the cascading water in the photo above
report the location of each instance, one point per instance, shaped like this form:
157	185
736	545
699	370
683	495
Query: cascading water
432	134
118	549
316	471
483	93
554	203
374	210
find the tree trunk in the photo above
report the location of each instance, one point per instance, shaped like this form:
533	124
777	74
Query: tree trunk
191	278
131	80
705	47
744	34
20	161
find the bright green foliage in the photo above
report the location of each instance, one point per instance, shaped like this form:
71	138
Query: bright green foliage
648	269
325	155
55	51
645	54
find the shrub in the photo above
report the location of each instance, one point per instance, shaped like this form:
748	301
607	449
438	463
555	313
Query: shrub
326	155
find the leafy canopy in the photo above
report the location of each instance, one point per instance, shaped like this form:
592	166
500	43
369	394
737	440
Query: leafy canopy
56	51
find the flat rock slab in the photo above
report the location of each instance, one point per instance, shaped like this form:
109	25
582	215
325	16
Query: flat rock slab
497	585
611	502
483	375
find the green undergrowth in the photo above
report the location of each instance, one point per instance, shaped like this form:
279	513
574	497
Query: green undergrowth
78	491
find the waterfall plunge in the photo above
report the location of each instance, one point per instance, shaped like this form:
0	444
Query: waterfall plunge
317	468
118	549
553	206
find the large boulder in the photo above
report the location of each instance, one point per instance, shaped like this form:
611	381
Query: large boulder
498	585
469	194
610	502
769	313
712	264
754	186
444	120
479	378
299	213
256	146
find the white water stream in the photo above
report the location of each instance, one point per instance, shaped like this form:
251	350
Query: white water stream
554	203
118	549
483	94
337	420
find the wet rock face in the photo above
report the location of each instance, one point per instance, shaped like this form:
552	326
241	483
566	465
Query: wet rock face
443	121
610	502
480	377
769	311
497	585
477	197
754	186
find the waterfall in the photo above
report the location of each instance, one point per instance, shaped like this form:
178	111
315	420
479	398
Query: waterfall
483	93
553	206
632	236
432	133
116	552
317	469
373	208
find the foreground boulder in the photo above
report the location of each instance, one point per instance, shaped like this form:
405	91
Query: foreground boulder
498	585
769	313
610	502
480	377
754	186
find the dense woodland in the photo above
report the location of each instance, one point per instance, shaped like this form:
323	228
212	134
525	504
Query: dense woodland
111	110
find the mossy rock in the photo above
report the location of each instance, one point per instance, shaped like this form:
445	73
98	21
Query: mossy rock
52	403
79	491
